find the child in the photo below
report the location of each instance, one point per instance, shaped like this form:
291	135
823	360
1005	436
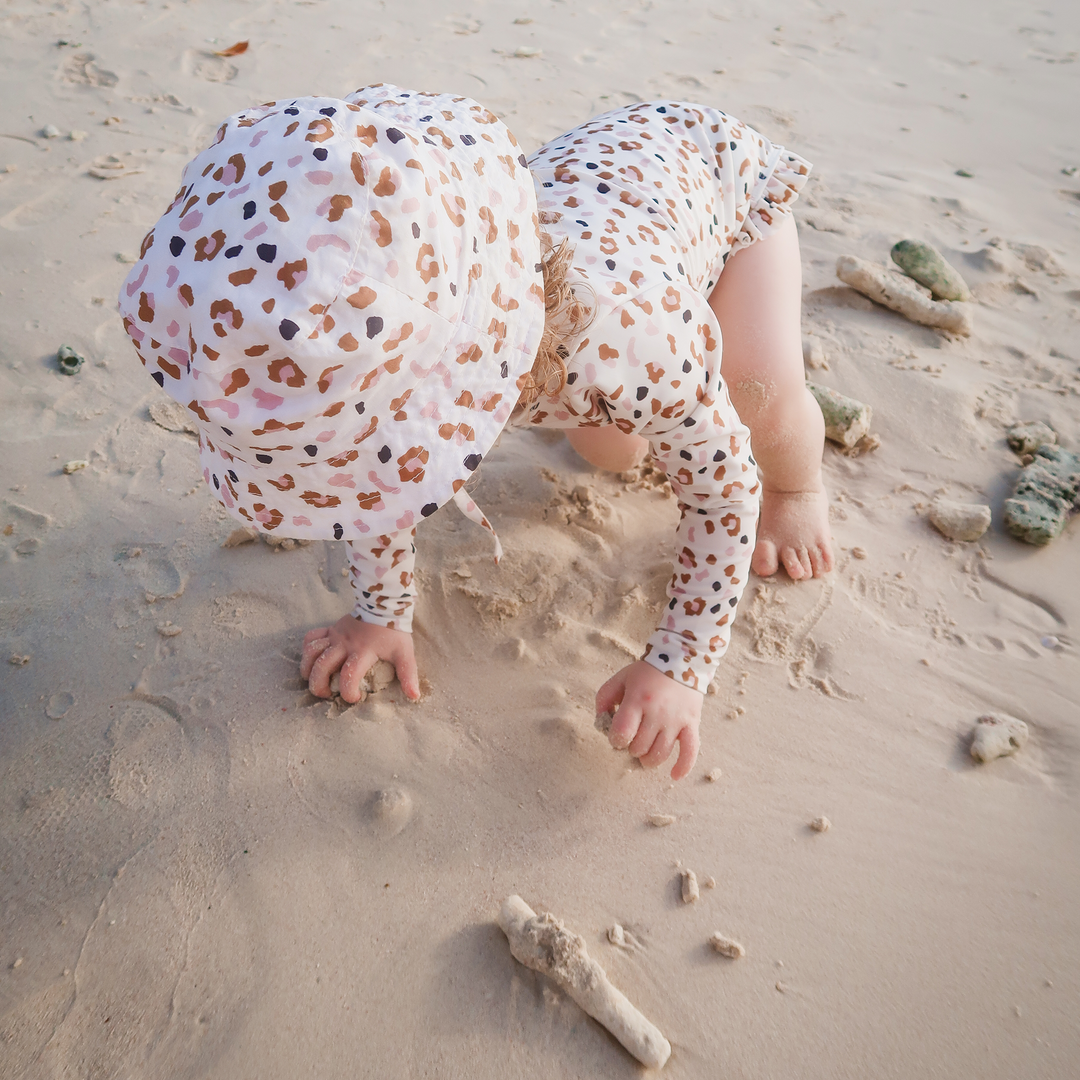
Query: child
355	296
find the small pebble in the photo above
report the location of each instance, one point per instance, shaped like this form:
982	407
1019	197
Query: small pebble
526	51
51	131
726	946
75	466
1051	642
998	735
782	987
821	824
713	775
709	882
858	552
660	820
690	890
18	962
18	660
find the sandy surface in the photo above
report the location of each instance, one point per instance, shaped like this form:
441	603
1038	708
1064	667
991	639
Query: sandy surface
197	875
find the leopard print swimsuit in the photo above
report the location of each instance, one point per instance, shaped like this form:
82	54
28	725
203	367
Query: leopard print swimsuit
655	198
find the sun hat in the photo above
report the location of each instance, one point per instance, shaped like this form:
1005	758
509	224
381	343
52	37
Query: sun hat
346	294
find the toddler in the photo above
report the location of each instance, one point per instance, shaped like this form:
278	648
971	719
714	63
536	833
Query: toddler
355	296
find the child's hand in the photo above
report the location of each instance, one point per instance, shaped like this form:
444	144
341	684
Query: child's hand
654	711
354	647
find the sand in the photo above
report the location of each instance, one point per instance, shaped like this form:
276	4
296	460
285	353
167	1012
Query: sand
204	872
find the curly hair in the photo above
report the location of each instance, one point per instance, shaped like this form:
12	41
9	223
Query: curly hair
566	315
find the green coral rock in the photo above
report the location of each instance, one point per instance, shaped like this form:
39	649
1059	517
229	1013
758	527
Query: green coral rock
928	267
1045	493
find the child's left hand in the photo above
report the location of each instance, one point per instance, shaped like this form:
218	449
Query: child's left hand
654	712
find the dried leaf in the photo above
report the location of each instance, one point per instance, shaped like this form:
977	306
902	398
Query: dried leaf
233	50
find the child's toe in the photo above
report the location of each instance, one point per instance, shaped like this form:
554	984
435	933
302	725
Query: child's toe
794	563
764	563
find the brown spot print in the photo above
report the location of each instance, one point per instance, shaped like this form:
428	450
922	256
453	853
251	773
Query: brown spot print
398	405
209	353
341	460
199	411
412	163
234	380
283	483
207	247
238	163
276	517
356	164
287	371
363	297
170	369
471	354
268	305
277	189
347	343
626	318
395	340
189	204
670	300
335	408
146	312
731	523
227	312
503	304
497	330
367	135
386	185
278	211
368	500
319	131
242	277
324	379
455	215
655	373
464	400
253	489
367	432
488	218
276	425
338	205
213	197
426	263
315	498
187	297
411	464
608	245
606	352
478	166
492	403
447	142
266	168
386	234
147	243
293	273
448	431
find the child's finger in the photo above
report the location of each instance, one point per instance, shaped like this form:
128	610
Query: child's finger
312	651
645	737
405	665
610	694
325	665
624	727
319	632
352	671
689	744
660	750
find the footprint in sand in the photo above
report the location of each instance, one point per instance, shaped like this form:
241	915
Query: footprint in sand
82	70
205	65
59	704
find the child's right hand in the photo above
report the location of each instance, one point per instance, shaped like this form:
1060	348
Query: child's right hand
353	647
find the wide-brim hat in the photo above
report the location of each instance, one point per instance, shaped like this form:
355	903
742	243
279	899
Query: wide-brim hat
346	294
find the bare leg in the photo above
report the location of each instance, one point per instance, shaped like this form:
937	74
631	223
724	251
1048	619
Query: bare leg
607	447
758	301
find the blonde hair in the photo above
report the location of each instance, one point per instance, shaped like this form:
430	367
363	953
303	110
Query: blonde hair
565	315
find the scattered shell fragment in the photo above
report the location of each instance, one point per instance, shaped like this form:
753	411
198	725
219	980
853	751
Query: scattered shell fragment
18	659
690	891
846	420
244	535
18	962
928	267
858	552
524	52
821	824
51	131
166	629
660	820
726	946
621	937
75	466
902	295
709	882
998	735
782	987
713	775
111	167
1050	642
1027	437
68	360
959	521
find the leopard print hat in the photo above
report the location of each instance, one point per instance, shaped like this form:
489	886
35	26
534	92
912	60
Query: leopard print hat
346	294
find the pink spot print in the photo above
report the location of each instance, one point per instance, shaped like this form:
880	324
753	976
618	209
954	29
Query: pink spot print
523	203
299	519
422	333
241	190
701	575
259	136
206	476
192	221
228	175
325	436
590	373
229	408
173	328
633	360
444	372
651	328
341	480
374	478
133	287
226	498
353	276
170	276
361	525
432	220
431	410
257	231
265	400
392	268
180	296
410	206
560	414
181	356
502	413
294	161
319	176
326	240
380	571
406	520
324	206
264	516
136	334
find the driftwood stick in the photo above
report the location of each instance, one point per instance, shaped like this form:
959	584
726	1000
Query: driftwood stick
542	943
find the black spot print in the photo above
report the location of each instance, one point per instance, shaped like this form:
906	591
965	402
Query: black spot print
217	482
394	135
572	378
715	608
288	329
610	264
311	450
233	477
374	326
249	210
328	111
320	152
686	366
603	188
504	370
686	455
472	462
642	391
339	532
523	161
158	377
231	253
384	454
428	509
453	289
266	459
267	252
292	111
176	245
686	316
468	140
359	407
416	230
227	432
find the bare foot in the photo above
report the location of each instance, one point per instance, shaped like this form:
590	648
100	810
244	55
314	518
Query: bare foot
793	533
